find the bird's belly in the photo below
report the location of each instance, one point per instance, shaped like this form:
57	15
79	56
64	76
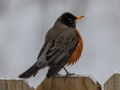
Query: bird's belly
77	53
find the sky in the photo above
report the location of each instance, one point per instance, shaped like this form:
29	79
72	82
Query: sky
24	23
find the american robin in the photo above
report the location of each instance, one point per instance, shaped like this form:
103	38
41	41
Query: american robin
63	46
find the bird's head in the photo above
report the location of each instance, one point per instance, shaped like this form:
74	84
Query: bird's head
69	19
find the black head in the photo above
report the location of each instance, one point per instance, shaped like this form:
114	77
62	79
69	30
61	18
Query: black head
68	19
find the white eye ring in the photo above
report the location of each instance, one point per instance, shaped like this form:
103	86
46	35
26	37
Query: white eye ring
69	19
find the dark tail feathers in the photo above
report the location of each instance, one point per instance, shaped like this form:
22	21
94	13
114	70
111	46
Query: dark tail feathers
32	71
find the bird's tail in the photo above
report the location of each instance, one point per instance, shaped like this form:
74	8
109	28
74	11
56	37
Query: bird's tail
32	71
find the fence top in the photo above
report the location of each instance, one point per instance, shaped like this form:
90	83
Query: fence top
18	79
115	73
79	75
77	81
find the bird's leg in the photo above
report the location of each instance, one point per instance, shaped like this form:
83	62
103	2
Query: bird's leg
67	73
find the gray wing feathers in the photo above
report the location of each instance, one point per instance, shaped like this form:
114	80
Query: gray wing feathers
58	56
42	62
64	45
66	40
54	69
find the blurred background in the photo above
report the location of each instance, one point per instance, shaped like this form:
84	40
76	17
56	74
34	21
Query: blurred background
24	23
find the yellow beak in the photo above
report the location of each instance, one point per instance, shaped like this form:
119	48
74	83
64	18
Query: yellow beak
78	17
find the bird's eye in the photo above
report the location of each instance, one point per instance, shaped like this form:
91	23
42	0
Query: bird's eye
73	19
70	20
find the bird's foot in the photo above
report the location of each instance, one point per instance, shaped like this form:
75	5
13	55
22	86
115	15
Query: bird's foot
68	74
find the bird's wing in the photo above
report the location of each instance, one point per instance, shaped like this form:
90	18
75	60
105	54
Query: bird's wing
43	48
60	51
54	53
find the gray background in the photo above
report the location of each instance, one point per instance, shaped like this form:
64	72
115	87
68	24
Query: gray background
24	23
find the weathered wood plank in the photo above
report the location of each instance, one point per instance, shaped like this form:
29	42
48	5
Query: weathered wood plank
11	85
113	83
1	84
14	84
19	85
76	82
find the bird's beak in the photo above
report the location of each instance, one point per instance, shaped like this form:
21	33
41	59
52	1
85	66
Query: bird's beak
78	17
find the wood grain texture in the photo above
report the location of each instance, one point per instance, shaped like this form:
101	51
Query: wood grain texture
113	83
13	84
71	83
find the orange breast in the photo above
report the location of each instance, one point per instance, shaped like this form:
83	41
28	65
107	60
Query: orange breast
77	53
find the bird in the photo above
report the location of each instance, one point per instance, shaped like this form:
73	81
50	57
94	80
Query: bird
63	46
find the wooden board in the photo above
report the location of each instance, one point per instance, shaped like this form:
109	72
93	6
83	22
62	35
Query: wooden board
113	83
14	84
76	82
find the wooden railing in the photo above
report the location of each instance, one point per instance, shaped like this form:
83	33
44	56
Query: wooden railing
76	82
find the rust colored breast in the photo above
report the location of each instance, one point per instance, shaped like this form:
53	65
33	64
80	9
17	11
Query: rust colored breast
77	53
